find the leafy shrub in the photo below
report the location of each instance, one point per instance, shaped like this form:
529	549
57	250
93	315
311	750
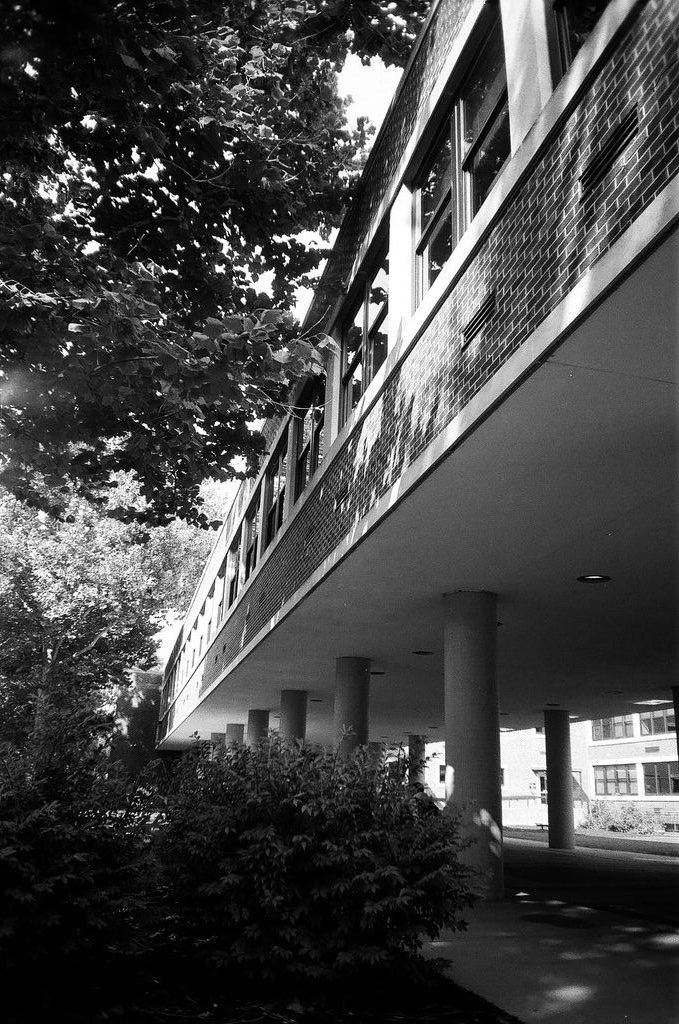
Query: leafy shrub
622	818
74	866
285	863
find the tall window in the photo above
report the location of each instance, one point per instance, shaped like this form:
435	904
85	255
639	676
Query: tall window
464	161
251	536
616	728
661	778
232	571
574	21
274	493
364	338
310	435
657	721
615	780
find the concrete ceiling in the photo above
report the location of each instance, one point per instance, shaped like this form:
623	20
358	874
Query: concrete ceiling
576	472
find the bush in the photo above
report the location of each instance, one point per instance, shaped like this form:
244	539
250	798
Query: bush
285	864
74	866
622	818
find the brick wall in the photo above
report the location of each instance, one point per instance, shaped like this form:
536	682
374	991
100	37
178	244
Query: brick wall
544	241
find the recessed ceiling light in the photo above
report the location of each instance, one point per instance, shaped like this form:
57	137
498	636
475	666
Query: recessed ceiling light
377	673
650	703
594	578
422	653
574	718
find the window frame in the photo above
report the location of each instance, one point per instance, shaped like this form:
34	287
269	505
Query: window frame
626	723
457	205
672	770
252	527
560	37
274	501
364	354
309	453
652	715
232	570
624	775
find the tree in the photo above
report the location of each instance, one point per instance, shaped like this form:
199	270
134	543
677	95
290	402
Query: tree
76	606
160	157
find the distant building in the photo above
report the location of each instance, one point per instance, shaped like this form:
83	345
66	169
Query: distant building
629	759
471	522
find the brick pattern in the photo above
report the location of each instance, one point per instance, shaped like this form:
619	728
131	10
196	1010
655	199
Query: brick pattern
544	242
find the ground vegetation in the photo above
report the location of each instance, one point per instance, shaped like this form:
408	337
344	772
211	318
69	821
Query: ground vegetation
276	884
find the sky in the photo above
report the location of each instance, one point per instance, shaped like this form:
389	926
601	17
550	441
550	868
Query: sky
370	87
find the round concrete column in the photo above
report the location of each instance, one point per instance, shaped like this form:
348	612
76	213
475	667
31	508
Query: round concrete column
234	733
473	732
559	780
416	756
293	715
258	727
352	693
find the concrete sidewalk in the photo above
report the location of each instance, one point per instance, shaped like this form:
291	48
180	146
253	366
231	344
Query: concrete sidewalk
545	960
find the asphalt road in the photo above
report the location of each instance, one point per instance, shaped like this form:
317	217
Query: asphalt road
632	883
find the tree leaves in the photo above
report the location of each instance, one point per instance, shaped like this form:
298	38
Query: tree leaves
159	159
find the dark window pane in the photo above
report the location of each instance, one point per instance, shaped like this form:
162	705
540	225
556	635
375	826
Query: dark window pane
353	336
378	351
439	249
378	292
437	177
356	384
575	21
490	158
483	89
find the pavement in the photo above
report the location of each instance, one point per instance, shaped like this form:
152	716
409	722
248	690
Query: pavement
586	936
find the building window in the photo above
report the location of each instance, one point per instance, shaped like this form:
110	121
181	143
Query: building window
661	778
574	22
364	338
466	158
658	721
251	537
442	773
615	780
616	728
310	435
232	571
541	775
274	492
